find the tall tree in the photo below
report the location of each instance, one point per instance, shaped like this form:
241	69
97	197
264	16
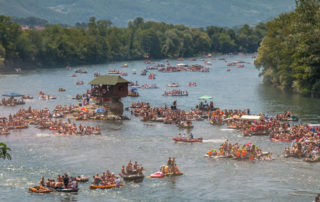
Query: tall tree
4	151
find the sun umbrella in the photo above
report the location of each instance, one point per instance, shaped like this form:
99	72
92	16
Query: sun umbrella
99	110
205	97
12	95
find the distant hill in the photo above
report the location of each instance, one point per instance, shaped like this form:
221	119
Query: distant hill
189	12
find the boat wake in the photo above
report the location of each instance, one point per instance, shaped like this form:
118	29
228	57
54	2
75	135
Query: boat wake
227	129
214	140
43	135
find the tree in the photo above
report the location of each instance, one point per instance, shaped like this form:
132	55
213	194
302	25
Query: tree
4	151
289	53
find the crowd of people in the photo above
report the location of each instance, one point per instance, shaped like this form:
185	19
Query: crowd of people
171	168
11	101
205	106
106	178
177	92
237	151
172	69
44	96
167	115
131	169
305	137
149	86
62	182
143	72
43	119
152	76
198	68
192	84
307	146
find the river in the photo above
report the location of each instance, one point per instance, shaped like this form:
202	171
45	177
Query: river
37	153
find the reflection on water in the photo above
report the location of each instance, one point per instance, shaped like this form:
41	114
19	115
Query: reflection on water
39	153
308	109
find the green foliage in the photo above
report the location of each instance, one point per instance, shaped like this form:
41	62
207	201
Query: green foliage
4	151
291	49
98	42
191	13
30	21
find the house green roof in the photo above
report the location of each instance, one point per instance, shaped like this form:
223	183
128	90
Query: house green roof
108	80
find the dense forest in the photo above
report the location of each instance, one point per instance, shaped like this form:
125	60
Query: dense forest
98	42
289	55
202	13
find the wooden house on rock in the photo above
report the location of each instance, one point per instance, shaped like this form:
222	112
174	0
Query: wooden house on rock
108	90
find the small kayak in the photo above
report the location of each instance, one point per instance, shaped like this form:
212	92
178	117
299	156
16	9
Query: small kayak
40	189
180	139
92	186
157	175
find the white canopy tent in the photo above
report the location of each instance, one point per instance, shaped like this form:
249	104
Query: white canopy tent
250	117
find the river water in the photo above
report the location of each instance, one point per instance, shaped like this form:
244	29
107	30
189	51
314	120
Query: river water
37	153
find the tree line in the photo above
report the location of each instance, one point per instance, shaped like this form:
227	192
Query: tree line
99	42
289	55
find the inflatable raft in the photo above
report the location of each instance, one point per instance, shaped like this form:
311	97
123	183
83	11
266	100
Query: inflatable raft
133	177
161	175
312	160
157	175
40	189
66	190
280	140
180	139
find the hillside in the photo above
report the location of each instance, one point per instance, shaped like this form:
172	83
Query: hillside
206	12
